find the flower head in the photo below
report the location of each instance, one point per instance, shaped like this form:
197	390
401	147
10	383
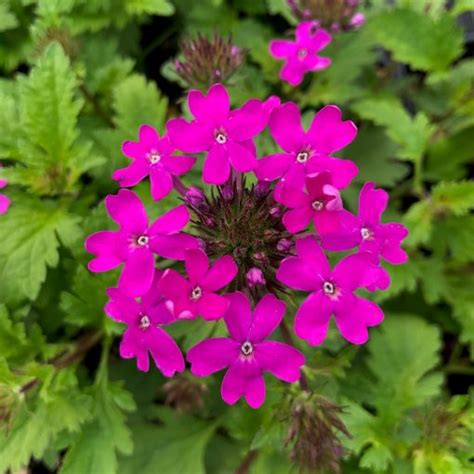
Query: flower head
136	242
152	156
197	295
368	232
301	55
144	334
225	135
331	292
246	353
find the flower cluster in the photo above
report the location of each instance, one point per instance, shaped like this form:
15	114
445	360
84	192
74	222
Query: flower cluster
263	228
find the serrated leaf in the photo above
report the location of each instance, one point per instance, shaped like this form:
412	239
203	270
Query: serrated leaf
417	39
150	7
454	234
419	220
457	197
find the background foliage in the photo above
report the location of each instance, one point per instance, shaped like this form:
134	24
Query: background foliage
77	78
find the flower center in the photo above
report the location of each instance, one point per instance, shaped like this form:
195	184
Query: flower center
143	240
246	348
196	293
221	138
302	53
144	322
154	157
329	288
302	157
318	205
366	233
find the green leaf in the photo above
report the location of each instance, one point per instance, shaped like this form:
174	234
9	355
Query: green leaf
150	7
457	197
13	338
31	233
7	18
417	39
419	220
454	234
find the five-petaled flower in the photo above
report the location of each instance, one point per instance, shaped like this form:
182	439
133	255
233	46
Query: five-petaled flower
301	55
197	296
152	156
136	241
246	353
331	292
226	135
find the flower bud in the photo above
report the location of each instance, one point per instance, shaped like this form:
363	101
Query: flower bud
284	245
255	277
195	197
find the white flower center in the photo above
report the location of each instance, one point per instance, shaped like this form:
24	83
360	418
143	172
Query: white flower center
143	240
221	138
145	322
302	53
302	157
154	158
329	288
365	233
246	348
317	205
196	293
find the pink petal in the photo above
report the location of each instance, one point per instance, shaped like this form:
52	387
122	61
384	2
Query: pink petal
178	164
121	308
267	315
342	171
372	204
127	210
130	346
299	274
248	121
273	166
355	271
282	48
308	249
173	285
103	245
241	158
220	274
137	274
306	31
393	253
4	203
292	72
330	222
216	167
197	264
212	306
281	360
239	316
213	108
148	136
189	137
165	352
134	150
161	183
320	39
3	182
132	174
328	133
293	197
285	127
312	318
171	222
297	220
212	355
316	63
173	246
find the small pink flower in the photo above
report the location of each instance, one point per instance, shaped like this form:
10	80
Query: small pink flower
357	20
4	200
321	203
367	231
152	156
197	296
226	135
135	242
246	353
301	55
308	153
144	333
331	292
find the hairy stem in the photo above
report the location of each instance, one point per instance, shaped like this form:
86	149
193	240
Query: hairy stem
244	466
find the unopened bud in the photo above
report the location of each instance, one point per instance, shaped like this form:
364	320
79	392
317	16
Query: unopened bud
255	277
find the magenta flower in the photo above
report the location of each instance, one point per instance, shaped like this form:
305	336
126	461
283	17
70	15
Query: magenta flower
144	333
301	55
246	353
308	153
4	200
367	231
196	296
135	242
331	292
321	203
226	135
152	156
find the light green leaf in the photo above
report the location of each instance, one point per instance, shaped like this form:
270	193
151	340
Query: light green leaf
457	197
150	7
7	18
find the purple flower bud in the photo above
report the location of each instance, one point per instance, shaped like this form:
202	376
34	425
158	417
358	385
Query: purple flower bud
357	20
262	188
275	212
255	277
235	50
352	3
228	193
194	196
284	245
260	256
335	27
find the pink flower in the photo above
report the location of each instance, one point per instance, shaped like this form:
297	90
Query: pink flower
197	295
4	200
135	242
357	20
226	135
367	231
246	353
144	334
321	203
307	153
331	292
152	156
301	55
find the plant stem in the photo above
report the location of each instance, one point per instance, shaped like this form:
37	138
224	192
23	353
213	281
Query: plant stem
246	462
92	99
